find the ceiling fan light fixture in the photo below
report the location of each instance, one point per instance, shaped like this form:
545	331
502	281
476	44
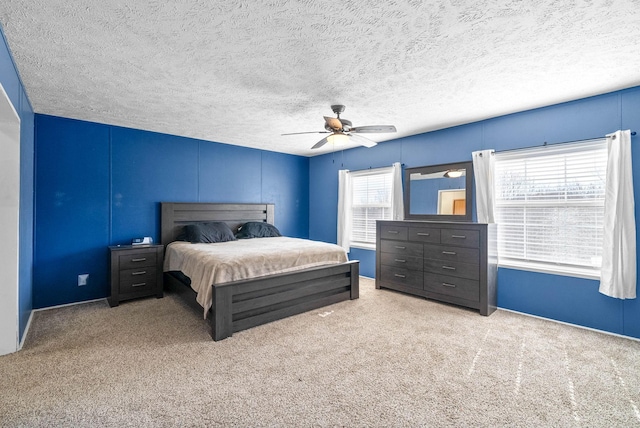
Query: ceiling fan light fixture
338	139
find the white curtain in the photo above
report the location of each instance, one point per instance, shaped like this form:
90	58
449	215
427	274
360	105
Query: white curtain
483	172
618	274
396	192
344	209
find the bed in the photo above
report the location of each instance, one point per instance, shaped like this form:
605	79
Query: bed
241	304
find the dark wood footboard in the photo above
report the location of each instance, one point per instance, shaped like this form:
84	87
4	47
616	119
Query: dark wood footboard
244	304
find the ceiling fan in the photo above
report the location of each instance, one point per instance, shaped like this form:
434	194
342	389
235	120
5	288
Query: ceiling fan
342	130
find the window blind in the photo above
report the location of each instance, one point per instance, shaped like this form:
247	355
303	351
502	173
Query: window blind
371	201
550	205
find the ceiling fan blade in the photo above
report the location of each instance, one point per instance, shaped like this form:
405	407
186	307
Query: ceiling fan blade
334	123
321	143
310	132
362	140
373	129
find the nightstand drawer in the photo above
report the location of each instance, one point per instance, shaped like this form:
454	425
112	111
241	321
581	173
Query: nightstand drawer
135	280
132	260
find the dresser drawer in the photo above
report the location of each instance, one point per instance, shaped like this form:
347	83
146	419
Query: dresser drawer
401	247
406	277
424	234
451	286
398	233
137	280
455	254
457	269
131	260
460	237
402	261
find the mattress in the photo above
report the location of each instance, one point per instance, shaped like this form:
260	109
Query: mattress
207	264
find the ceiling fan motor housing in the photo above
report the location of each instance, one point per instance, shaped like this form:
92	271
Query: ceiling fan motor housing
346	124
337	109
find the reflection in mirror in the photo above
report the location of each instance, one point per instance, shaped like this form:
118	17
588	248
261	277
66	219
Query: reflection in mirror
439	192
436	193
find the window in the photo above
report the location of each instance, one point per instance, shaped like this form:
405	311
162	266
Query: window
364	197
371	200
550	207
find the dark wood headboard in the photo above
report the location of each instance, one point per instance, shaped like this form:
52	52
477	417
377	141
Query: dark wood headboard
175	215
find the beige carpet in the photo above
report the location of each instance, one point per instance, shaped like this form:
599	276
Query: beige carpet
386	359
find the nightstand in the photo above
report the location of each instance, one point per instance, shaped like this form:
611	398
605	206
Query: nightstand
135	271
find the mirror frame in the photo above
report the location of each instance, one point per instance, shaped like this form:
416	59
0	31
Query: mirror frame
436	168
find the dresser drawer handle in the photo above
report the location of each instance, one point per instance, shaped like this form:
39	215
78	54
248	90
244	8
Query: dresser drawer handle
399	275
448	267
400	248
459	236
142	259
423	234
449	253
142	272
393	231
449	285
400	260
139	284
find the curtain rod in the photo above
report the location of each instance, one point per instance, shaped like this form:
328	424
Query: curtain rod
553	144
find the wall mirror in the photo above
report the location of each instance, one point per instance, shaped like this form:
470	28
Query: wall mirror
439	192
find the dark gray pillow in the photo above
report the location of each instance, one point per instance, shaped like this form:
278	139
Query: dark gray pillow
257	229
208	233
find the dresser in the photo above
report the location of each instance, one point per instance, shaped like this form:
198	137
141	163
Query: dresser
135	271
452	262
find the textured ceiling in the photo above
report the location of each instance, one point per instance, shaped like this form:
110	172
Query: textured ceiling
244	72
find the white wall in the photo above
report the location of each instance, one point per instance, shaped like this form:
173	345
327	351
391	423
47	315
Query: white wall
9	221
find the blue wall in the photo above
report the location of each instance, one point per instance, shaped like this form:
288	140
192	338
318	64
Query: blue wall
566	299
15	90
100	185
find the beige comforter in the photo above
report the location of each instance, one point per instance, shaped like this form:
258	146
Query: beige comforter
208	264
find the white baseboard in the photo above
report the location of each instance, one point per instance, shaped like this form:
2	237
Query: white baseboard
26	330
69	304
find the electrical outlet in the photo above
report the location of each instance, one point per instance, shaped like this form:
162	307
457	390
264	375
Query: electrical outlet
82	279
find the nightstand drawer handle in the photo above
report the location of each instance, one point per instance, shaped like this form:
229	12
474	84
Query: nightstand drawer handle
449	253
392	231
142	272
459	236
423	234
399	275
400	248
448	285
142	259
140	284
448	267
400	260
